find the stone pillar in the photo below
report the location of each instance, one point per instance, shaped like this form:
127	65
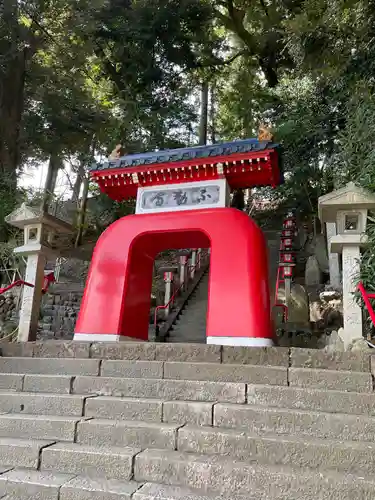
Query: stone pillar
193	263
288	289
168	279
183	265
32	297
199	258
352	310
333	258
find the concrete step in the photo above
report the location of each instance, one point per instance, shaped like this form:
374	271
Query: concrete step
22	452
212	473
312	399
46	427
47	404
90	461
50	366
22	484
161	389
262	420
348	457
131	433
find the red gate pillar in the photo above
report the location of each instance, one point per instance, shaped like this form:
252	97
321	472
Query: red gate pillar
116	301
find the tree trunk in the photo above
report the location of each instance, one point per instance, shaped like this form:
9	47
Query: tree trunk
238	200
213	114
78	183
17	46
82	212
204	114
50	184
16	53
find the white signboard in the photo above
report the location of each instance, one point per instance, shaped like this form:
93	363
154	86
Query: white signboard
184	196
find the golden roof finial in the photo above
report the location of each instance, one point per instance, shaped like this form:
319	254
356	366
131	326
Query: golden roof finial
117	152
264	133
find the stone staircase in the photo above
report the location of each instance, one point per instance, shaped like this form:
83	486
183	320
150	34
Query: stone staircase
190	325
146	421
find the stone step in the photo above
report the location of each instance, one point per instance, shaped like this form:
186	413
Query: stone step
184	337
188	412
23	484
150	410
152	491
195	312
105	407
151	351
148	351
263	420
90	461
317	358
132	369
93	488
56	384
36	403
212	473
47	427
22	452
11	382
226	373
190	326
161	389
103	432
177	340
50	366
346	456
186	334
312	399
348	381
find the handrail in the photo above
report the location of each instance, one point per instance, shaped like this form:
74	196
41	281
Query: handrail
176	292
48	279
366	298
14	284
285	310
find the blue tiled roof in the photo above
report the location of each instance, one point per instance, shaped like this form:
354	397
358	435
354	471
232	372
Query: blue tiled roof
174	155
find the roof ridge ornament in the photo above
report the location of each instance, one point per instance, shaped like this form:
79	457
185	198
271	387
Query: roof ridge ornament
264	133
117	153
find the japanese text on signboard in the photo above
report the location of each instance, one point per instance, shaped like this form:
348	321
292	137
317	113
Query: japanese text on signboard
183	197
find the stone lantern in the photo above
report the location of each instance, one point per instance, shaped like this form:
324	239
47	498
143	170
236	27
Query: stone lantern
40	230
348	208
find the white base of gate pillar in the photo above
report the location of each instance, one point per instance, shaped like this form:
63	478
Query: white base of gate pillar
241	341
100	337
